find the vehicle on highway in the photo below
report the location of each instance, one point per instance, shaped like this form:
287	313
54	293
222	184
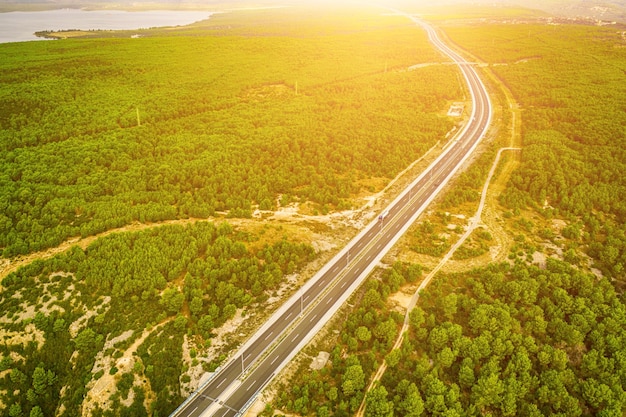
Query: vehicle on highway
232	390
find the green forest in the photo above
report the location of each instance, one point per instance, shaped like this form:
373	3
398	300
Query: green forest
256	109
503	340
515	341
211	121
512	338
170	280
99	133
569	81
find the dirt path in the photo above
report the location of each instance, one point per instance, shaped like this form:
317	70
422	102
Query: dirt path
11	265
474	223
101	390
487	208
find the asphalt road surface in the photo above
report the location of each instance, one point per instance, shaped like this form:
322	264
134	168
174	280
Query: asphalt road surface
234	387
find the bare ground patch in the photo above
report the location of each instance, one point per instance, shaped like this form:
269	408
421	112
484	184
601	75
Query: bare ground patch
30	334
100	390
327	233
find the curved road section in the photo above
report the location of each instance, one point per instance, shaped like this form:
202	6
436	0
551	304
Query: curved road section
235	385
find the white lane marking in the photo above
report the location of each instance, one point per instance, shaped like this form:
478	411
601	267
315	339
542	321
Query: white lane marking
335	268
194	410
275	359
329	300
295	337
271	333
218	385
251	385
313	318
343	285
288	315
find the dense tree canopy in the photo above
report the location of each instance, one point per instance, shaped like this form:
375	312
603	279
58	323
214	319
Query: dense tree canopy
189	280
104	132
522	341
515	339
569	81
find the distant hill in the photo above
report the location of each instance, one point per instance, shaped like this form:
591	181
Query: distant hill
29	5
607	10
6	5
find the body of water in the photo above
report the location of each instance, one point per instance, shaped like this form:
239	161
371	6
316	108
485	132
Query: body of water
21	26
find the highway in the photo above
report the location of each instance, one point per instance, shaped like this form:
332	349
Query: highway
237	383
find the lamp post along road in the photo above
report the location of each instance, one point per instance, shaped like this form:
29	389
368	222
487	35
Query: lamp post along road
230	392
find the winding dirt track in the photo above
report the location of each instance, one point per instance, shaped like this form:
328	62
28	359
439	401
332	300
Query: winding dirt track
488	202
11	265
473	224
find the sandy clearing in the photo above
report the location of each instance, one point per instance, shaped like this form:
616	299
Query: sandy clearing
402	299
320	361
29	310
30	334
100	390
82	321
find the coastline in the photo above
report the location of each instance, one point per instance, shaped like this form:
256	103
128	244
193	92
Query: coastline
21	26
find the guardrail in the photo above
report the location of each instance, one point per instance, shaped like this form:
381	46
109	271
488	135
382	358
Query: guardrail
194	394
